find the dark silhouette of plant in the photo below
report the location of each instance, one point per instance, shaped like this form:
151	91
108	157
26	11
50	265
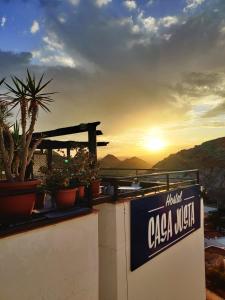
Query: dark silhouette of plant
17	149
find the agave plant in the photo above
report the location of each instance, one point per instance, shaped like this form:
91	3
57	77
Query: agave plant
6	152
17	148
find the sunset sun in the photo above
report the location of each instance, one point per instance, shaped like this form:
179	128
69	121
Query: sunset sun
155	144
154	140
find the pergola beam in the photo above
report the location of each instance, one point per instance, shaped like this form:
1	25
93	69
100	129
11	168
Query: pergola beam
50	144
92	143
49	159
68	130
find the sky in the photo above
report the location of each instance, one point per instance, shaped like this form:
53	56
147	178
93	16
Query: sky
145	69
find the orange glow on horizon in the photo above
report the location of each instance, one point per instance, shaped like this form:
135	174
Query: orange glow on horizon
154	144
154	141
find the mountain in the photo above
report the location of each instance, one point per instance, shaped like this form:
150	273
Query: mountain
134	163
209	158
207	155
111	161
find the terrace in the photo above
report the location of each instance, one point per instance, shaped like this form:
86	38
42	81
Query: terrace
112	190
100	235
144	184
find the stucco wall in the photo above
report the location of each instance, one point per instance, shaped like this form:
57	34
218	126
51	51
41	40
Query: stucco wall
63	262
56	262
112	254
175	274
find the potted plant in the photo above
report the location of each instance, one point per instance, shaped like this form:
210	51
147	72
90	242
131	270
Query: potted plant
40	196
58	184
94	179
86	171
89	173
78	169
17	193
75	181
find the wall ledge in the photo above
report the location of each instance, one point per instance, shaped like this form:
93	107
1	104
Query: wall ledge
44	219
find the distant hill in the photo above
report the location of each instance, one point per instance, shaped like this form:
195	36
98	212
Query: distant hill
111	161
209	158
207	155
135	163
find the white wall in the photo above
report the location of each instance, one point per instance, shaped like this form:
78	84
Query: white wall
112	255
63	262
56	262
176	274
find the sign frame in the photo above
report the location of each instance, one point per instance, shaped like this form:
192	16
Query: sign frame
159	221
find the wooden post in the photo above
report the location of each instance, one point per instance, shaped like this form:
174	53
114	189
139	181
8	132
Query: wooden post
49	159
197	177
68	152
115	190
89	197
92	141
168	182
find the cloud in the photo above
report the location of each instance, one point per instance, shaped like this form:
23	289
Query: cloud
35	27
74	2
62	19
53	53
149	23
213	124
192	4
52	42
119	101
60	59
12	62
101	3
204	91
130	4
198	84
3	21
215	112
150	2
168	21
139	58
128	70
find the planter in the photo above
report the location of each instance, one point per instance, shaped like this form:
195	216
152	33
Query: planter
81	192
17	199
40	200
65	198
95	188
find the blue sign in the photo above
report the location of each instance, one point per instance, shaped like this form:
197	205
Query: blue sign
160	221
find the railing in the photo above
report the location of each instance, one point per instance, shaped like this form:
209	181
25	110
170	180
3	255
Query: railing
150	183
135	171
159	182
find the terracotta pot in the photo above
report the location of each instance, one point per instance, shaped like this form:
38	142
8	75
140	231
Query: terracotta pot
81	192
95	187
18	186
40	199
17	199
66	198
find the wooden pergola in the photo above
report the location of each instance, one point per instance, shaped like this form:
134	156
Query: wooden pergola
50	145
